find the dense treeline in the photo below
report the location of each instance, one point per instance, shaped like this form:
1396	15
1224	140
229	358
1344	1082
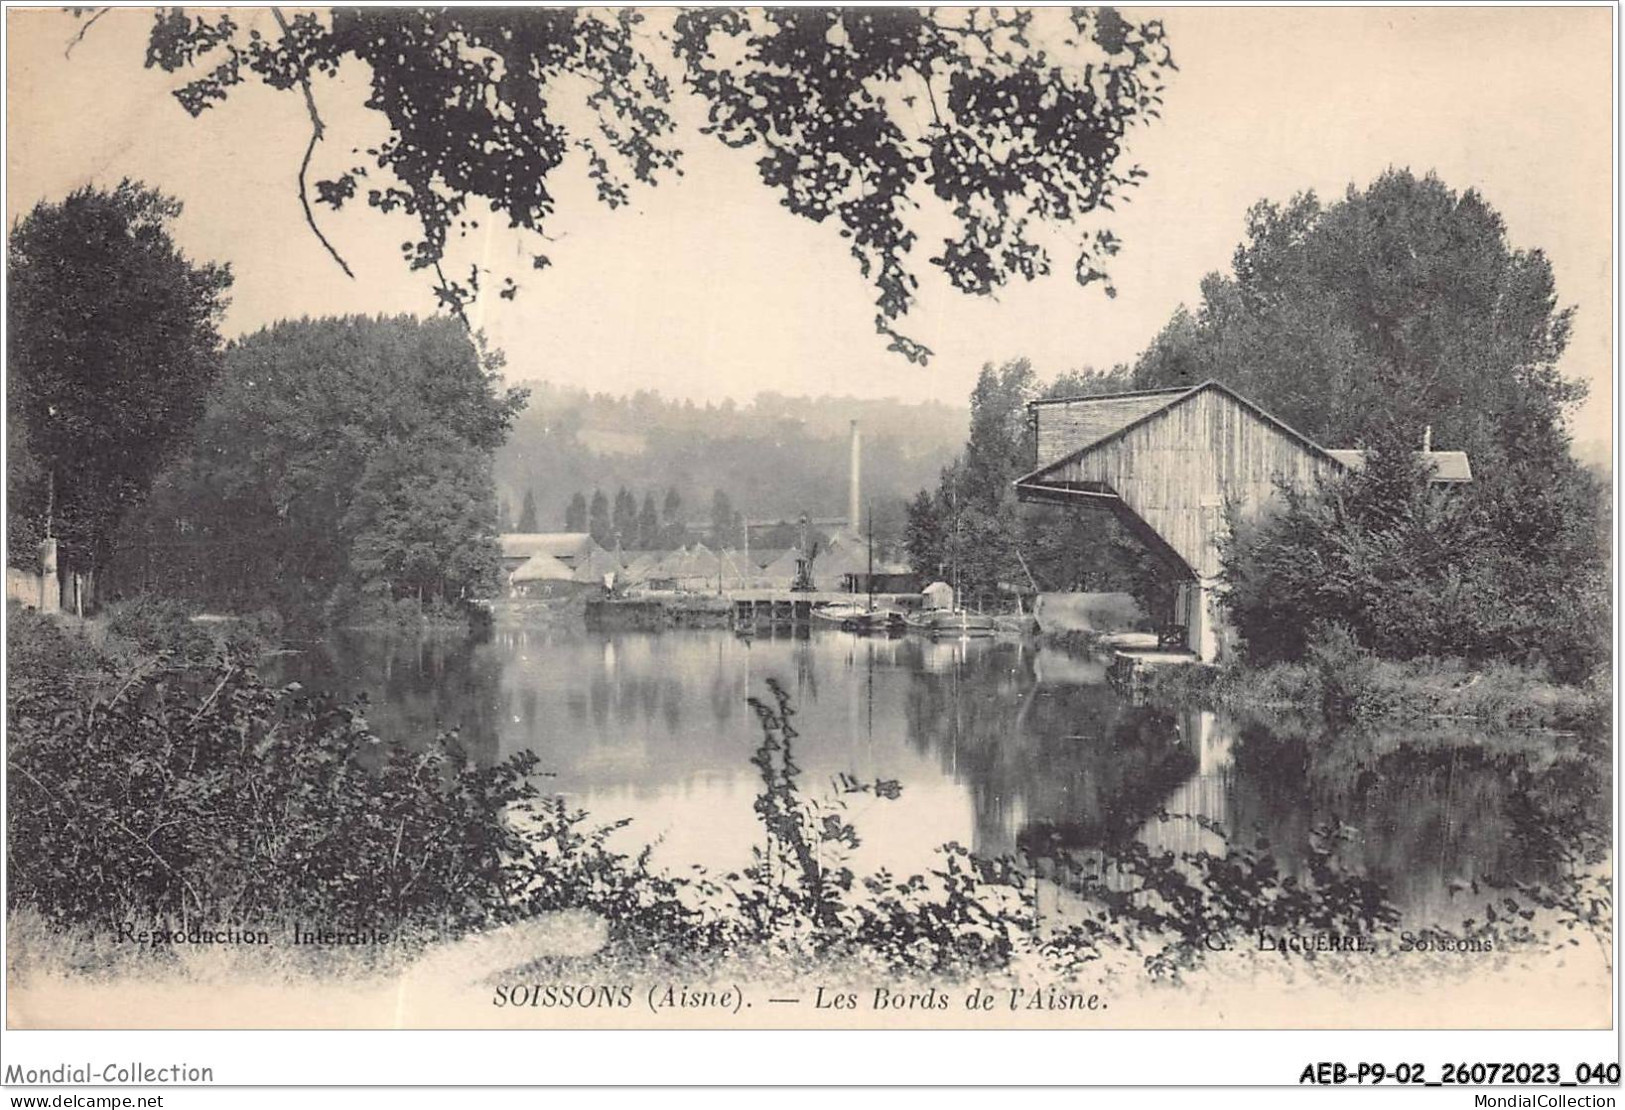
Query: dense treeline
970	529
625	521
342	464
775	457
1406	570
628	524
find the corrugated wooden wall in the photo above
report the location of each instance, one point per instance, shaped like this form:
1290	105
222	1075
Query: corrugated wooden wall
1176	470
1065	426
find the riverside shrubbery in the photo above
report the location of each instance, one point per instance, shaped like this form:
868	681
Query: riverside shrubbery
1507	569
189	792
1341	683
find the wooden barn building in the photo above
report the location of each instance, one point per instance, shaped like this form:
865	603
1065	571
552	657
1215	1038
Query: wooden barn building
1167	462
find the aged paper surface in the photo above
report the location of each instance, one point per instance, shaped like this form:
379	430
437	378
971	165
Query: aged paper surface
1110	863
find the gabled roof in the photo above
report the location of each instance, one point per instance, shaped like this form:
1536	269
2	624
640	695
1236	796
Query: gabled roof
1448	466
697	561
596	565
560	545
1121	412
1104	414
639	563
1109	416
542	567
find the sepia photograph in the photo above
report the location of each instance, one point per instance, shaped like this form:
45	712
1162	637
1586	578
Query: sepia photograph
811	518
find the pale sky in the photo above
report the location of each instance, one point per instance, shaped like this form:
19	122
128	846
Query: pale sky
707	288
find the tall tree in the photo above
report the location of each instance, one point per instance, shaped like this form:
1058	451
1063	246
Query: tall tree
625	517
722	519
925	537
1401	303
975	497
339	457
111	345
598	519
648	523
673	527
527	513
895	122
575	513
422	522
1000	435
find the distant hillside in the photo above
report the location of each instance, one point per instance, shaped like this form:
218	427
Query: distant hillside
776	457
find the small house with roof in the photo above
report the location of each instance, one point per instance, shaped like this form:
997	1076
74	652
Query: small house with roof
569	548
542	575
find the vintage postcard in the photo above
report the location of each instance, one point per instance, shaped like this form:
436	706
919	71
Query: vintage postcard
811	518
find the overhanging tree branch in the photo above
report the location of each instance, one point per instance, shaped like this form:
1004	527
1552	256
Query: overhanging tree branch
67	51
317	130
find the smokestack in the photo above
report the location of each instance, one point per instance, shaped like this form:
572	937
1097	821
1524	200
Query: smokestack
854	496
1427	439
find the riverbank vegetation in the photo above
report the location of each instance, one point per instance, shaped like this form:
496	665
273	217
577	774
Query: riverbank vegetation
342	472
1396	317
334	471
1339	681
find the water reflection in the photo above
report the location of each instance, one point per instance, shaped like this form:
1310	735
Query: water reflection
1000	746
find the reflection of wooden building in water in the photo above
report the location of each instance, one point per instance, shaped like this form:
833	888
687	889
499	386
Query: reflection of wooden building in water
1201	803
1170	463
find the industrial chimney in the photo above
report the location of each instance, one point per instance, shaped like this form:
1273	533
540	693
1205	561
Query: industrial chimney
854	495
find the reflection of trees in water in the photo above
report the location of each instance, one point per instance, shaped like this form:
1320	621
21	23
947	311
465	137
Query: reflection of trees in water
415	686
671	706
806	670
1047	753
1047	765
599	694
648	698
1437	817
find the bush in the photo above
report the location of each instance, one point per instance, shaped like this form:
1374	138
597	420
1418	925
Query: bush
1345	673
1411	571
41	653
194	794
155	624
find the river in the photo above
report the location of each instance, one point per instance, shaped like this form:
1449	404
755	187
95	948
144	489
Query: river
998	745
